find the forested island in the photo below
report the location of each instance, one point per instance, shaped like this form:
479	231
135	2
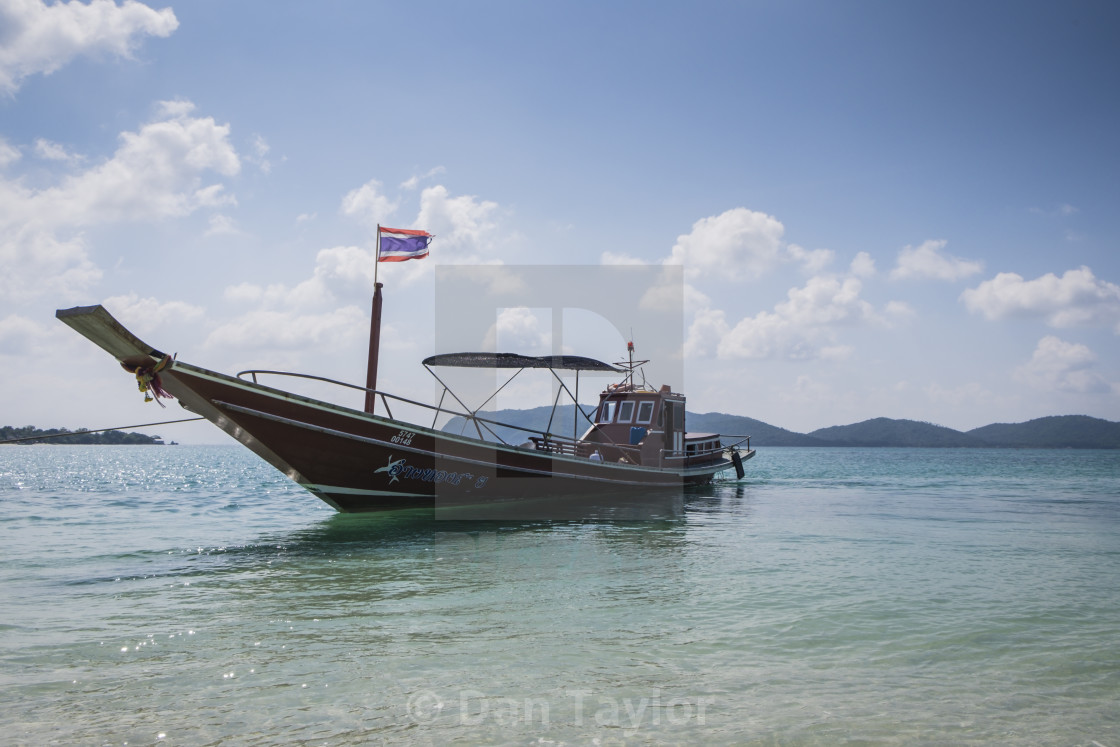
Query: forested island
1056	432
30	435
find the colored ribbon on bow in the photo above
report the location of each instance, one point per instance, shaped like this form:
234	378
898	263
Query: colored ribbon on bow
147	379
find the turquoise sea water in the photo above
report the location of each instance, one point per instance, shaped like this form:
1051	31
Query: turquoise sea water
192	595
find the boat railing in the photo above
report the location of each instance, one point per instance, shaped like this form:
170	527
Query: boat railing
541	440
569	447
544	440
697	455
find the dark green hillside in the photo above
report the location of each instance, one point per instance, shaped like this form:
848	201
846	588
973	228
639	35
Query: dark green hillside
762	434
1056	432
1067	431
888	432
536	419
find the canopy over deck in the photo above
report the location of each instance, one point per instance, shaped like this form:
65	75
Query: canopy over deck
514	360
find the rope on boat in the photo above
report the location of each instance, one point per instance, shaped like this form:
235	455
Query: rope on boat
96	430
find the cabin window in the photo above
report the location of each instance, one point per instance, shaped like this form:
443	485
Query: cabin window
645	411
625	412
606	413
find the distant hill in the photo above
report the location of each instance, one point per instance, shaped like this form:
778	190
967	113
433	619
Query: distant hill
31	435
737	425
887	432
1058	432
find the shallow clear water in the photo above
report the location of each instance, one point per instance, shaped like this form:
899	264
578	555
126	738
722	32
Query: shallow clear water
192	595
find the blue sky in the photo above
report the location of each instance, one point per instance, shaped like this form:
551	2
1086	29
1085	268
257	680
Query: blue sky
883	209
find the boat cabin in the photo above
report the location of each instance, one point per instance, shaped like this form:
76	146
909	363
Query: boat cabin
640	425
633	424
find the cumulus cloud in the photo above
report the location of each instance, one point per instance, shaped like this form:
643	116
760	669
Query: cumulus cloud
928	261
414	181
222	225
259	149
155	173
51	151
41	38
339	272
1057	365
1077	298
519	329
147	314
738	244
465	225
811	261
619	258
266	329
369	204
9	154
863	266
803	326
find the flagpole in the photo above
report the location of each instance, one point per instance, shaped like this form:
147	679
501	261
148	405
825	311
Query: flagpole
377	255
374	332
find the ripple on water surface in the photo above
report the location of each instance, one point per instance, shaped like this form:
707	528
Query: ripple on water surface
886	596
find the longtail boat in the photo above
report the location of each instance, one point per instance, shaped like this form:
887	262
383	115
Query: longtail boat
634	441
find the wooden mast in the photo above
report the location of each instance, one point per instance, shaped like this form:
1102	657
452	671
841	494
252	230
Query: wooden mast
374	332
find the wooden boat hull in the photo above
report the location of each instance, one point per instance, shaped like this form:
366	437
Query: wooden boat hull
357	462
360	462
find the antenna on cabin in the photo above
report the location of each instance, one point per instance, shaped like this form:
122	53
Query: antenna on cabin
630	369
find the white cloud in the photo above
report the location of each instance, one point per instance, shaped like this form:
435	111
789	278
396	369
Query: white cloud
801	327
339	271
927	261
155	173
1077	298
265	329
41	38
1062	366
519	329
144	315
9	154
813	261
222	225
826	300
1063	210
738	244
618	258
465	226
863	266
368	204
259	154
53	151
899	309
414	181
708	328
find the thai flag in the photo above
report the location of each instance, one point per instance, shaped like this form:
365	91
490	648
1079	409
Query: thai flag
400	244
